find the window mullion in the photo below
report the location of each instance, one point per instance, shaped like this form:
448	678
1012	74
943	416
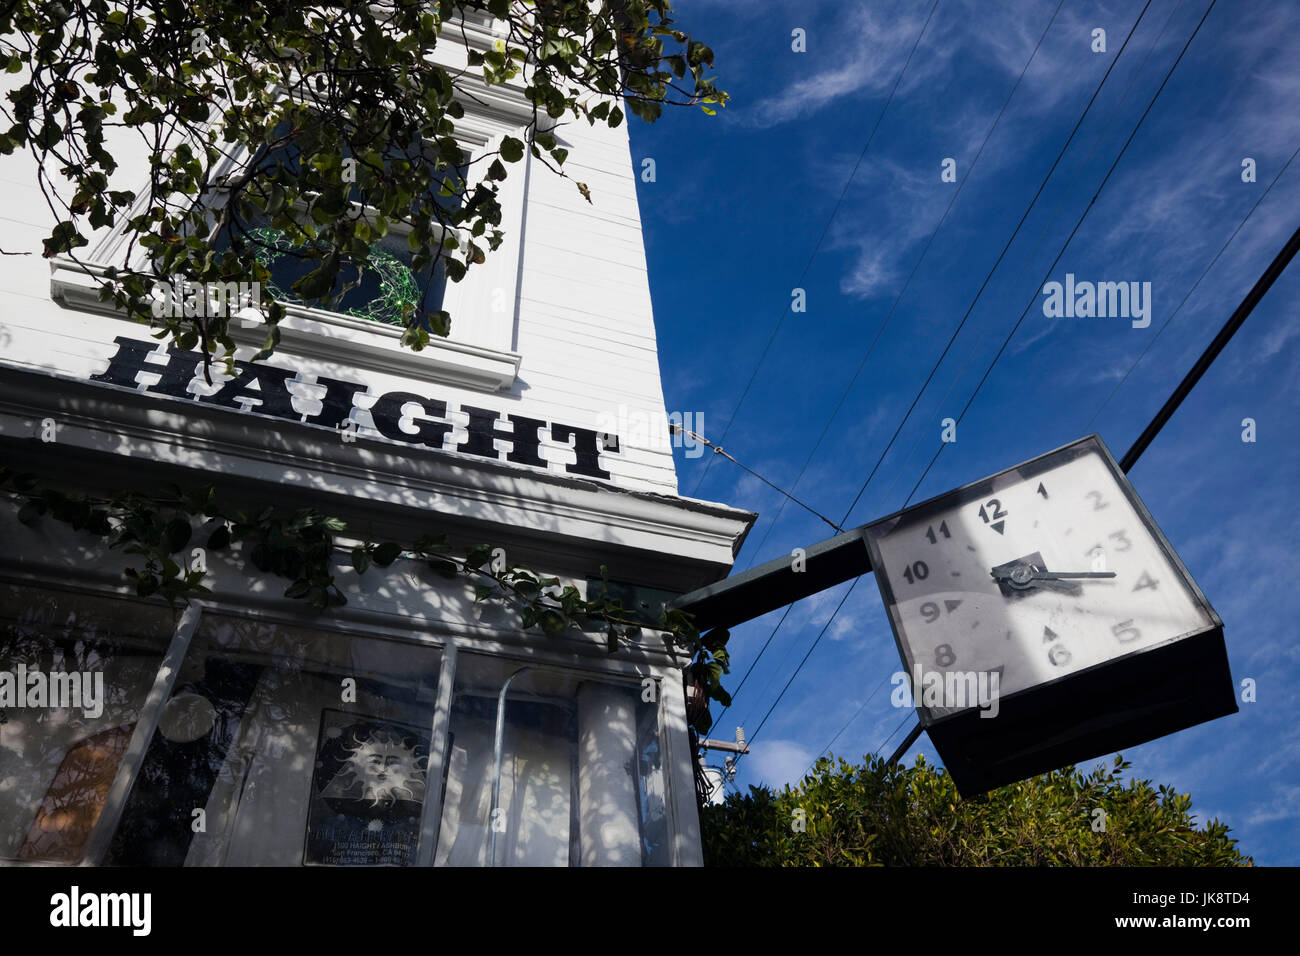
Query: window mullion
431	820
98	843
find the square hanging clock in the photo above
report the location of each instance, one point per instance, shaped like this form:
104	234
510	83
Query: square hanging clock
1043	619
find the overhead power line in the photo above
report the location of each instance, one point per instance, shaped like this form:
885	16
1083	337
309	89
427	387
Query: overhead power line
1001	255
934	369
1212	351
1204	272
820	239
915	733
1070	238
1261	286
758	549
718	450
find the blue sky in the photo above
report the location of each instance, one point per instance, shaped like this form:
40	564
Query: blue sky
735	214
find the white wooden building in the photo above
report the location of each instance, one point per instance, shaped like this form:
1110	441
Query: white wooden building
247	729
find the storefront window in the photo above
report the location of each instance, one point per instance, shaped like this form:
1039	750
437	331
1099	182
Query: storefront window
580	776
75	671
284	746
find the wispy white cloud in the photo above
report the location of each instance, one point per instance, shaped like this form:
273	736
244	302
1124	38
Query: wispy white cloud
778	762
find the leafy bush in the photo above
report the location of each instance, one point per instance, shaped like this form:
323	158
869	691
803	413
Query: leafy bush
873	815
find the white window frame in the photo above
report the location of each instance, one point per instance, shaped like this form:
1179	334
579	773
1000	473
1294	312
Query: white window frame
480	352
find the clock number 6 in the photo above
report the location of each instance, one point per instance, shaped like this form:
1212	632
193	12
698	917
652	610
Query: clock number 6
1059	655
919	571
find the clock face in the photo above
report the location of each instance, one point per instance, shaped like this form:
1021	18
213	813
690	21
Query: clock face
968	577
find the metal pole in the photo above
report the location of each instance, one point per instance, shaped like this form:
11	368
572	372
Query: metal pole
910	739
1212	351
496	756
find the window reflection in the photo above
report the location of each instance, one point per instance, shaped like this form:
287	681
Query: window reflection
58	763
316	753
580	776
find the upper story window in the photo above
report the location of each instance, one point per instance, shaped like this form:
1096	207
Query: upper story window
380	286
364	324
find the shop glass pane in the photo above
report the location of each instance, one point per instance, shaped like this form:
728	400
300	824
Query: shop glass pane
60	750
581	781
298	746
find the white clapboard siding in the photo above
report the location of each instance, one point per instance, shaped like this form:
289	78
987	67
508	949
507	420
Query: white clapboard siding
583	325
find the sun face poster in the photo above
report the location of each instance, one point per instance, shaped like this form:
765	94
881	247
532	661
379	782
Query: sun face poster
367	792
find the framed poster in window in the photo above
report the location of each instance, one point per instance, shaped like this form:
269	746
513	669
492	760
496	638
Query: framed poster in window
367	791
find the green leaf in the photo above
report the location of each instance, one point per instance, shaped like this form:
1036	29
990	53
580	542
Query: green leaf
387	553
552	622
448	569
512	150
178	534
716	639
360	560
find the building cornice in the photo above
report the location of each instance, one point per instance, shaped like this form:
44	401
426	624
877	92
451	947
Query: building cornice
118	434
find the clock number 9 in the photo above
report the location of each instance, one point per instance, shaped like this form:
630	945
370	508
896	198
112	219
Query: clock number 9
919	571
930	611
1126	628
943	655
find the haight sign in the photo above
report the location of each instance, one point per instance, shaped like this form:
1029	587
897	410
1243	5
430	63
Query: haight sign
268	385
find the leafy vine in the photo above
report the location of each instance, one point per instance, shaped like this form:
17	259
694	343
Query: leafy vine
301	545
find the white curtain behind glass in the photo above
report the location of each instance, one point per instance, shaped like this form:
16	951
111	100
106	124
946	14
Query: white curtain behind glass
536	784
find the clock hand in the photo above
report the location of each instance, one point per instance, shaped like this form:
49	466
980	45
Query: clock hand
1024	576
1051	575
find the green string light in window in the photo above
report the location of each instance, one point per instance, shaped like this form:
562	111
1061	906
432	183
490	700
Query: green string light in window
398	287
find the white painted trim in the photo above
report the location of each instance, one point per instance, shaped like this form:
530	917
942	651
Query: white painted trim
679	764
332	336
431	818
672	541
164	680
